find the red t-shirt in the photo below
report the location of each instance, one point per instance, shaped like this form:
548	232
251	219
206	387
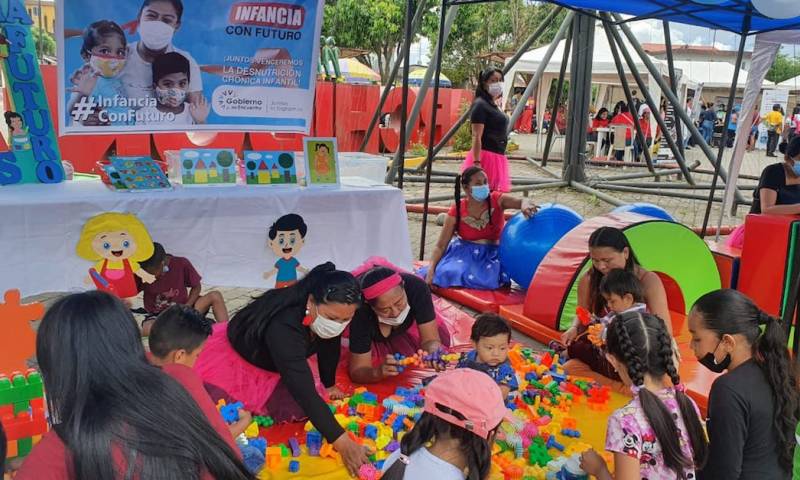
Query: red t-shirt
472	230
598	123
171	286
48	459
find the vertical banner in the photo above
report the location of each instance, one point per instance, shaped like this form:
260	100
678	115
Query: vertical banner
770	98
34	156
179	65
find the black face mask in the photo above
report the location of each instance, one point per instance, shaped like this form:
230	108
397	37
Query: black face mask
710	362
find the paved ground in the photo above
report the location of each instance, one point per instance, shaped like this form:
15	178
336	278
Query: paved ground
689	212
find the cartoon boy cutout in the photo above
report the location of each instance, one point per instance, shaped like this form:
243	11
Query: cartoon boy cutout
117	242
286	238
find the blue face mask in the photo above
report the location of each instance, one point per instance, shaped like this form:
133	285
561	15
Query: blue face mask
480	192
795	168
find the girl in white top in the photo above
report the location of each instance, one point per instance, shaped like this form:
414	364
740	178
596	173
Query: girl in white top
463	409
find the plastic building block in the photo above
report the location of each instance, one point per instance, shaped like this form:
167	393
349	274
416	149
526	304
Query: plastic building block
294	445
20	388
294	466
265	422
553	443
368	472
314	443
230	413
253	458
567	432
371	431
260	443
326	451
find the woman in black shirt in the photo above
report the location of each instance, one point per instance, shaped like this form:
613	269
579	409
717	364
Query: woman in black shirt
753	408
260	356
489	131
778	190
398	317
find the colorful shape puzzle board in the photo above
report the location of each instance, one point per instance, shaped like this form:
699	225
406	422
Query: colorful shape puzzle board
270	168
207	166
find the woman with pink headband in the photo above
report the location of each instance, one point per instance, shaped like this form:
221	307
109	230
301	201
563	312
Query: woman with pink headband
398	317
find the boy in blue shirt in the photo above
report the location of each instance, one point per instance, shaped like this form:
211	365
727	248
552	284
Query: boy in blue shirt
491	337
286	238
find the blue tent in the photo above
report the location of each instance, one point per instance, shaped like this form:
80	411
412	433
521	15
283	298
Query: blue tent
727	15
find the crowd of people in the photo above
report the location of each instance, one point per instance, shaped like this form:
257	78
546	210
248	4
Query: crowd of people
119	411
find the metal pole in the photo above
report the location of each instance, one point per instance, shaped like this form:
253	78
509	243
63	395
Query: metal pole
667	185
657	173
409	30
698	138
602	196
559	87
562	31
731	99
688	196
544	25
401	149
628	97
651	103
434	110
673	82
447	23
521	188
580	95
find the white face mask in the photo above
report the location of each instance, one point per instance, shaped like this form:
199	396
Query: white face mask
496	89
398	320
325	328
156	35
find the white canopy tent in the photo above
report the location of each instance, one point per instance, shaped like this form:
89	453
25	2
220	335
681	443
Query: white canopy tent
711	74
604	72
766	49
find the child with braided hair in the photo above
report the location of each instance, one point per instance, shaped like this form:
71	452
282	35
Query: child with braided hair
658	434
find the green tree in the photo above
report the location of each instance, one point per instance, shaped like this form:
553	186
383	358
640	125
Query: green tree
488	27
784	68
374	25
45	43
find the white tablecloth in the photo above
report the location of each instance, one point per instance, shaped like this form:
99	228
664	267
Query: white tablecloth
222	230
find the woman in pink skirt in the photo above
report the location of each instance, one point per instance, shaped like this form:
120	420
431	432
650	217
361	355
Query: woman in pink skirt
489	131
260	356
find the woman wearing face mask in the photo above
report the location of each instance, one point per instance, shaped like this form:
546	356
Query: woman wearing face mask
778	191
466	254
753	408
398	317
489	131
260	356
609	249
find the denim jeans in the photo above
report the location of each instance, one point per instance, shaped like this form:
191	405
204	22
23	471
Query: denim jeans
707	129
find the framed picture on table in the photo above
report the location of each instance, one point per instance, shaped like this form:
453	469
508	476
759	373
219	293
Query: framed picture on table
321	162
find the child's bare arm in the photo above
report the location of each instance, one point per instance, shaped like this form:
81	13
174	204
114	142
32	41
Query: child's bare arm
506	390
302	269
245	419
194	294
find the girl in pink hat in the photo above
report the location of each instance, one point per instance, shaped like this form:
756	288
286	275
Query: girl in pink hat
453	438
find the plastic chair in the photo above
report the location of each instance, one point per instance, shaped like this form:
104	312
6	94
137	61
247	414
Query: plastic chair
620	135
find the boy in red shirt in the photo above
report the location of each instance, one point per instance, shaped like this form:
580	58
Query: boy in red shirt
174	275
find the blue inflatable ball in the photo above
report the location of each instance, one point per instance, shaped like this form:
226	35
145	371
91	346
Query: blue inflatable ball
525	242
647	209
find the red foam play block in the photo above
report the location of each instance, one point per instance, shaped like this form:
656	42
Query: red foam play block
727	260
484	301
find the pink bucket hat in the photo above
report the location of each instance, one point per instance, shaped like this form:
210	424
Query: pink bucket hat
467	398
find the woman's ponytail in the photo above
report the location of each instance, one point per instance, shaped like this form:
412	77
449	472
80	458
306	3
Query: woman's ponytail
773	357
729	312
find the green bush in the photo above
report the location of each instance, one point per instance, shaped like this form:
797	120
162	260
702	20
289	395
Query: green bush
419	150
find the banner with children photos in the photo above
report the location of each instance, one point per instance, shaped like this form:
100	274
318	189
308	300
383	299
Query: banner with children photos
174	65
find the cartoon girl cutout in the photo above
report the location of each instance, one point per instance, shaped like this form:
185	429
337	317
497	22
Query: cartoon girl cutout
117	242
21	145
322	161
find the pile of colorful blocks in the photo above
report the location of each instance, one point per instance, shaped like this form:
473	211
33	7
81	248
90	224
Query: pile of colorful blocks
22	411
